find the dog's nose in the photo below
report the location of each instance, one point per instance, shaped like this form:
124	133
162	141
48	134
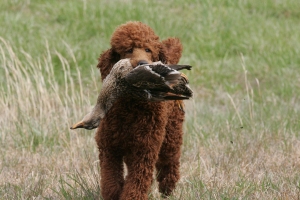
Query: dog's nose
142	62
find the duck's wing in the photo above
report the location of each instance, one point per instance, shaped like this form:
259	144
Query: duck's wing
179	91
162	96
154	77
160	81
183	87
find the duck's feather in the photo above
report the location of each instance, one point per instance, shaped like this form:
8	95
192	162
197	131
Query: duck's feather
153	77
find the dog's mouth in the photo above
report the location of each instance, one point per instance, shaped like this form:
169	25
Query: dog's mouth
135	63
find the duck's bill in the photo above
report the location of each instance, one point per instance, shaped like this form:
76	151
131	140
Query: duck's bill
78	125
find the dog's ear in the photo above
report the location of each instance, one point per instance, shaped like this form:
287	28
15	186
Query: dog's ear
170	51
106	61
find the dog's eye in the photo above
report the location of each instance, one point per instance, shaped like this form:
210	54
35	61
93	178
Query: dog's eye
148	50
129	51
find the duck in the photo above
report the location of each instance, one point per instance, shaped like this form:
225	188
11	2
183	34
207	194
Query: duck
148	82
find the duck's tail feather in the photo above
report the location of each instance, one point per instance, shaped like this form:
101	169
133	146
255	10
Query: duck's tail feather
180	67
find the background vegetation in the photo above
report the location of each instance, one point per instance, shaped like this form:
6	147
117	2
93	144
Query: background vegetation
242	128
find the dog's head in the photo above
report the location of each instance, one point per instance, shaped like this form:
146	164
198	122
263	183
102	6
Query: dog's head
138	42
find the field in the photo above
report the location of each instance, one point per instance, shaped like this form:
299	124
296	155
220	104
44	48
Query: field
242	128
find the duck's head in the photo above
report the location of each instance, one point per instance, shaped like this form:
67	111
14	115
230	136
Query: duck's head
89	122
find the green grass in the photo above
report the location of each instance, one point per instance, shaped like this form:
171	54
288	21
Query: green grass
242	127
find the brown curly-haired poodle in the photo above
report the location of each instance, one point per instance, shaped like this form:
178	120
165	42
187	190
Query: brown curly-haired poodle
143	135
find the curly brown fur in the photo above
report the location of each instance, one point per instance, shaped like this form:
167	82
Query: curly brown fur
143	135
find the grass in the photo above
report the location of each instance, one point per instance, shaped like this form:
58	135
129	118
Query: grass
242	127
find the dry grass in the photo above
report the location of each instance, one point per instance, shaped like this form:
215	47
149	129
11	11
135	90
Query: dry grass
37	148
235	154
